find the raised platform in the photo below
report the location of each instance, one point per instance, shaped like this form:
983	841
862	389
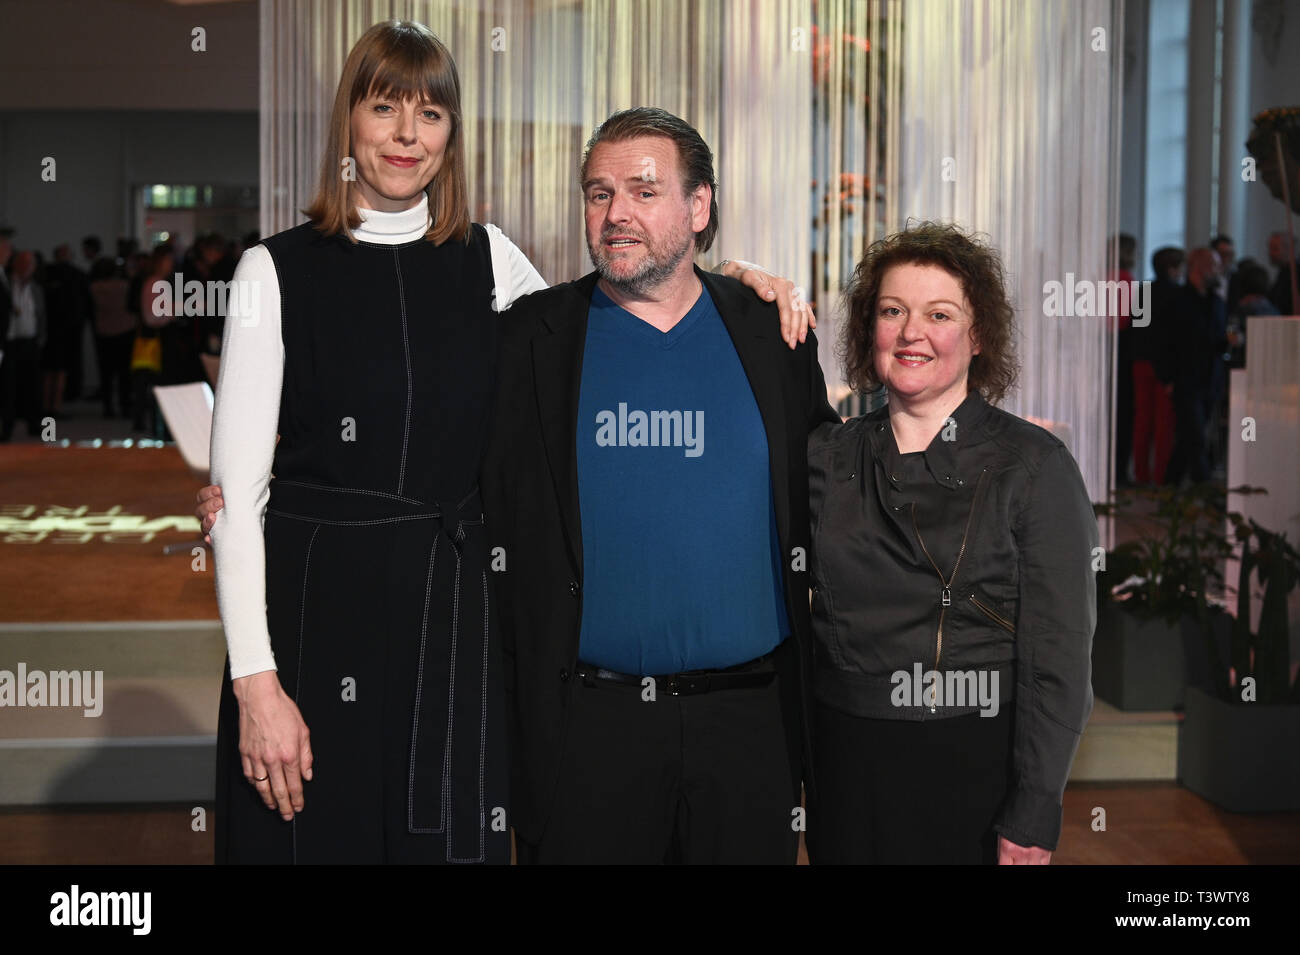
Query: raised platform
1121	746
85	586
154	686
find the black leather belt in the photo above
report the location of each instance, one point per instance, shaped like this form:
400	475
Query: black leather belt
754	673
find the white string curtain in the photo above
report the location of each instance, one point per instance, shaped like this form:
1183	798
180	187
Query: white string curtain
537	77
854	134
1010	127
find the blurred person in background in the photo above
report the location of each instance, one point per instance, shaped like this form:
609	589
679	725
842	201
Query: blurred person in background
91	249
1153	372
1282	255
127	250
67	306
155	311
1252	285
1226	250
207	263
20	371
91	253
6	292
1124	248
115	326
1199	341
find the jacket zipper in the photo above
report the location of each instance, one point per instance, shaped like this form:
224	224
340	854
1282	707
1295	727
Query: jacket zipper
945	592
993	615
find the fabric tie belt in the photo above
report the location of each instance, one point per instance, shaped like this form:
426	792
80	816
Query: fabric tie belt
445	791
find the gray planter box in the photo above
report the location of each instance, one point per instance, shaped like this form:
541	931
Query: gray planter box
1241	756
1137	664
1146	665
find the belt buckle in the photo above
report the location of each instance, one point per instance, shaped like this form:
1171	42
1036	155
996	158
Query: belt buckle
682	684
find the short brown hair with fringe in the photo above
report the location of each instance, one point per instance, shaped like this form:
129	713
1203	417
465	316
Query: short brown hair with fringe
403	60
975	264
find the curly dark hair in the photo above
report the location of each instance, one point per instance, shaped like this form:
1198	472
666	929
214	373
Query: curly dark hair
975	264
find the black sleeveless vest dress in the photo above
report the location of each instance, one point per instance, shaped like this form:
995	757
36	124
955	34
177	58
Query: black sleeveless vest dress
377	561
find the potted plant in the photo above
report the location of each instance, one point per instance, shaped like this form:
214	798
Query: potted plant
1240	736
1155	608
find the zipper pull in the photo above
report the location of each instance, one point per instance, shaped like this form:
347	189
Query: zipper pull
946	596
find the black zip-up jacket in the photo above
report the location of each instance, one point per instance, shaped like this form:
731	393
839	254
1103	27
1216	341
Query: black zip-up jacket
1021	600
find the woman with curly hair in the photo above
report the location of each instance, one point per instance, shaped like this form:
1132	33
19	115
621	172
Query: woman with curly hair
953	599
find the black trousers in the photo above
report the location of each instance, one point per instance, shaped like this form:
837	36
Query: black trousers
1191	410
20	386
687	779
909	793
115	370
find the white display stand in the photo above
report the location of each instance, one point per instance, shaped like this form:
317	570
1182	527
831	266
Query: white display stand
1268	393
188	411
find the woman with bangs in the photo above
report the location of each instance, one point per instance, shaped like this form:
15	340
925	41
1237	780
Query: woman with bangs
353	586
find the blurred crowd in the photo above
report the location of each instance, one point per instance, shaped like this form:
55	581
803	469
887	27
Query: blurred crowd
1172	413
143	335
1172	394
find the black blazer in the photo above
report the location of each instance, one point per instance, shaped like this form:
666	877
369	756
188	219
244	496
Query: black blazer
530	496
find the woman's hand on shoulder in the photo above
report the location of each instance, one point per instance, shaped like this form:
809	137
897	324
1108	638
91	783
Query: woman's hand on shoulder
210	502
796	313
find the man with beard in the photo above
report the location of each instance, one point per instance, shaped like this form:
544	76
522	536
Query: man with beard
647	487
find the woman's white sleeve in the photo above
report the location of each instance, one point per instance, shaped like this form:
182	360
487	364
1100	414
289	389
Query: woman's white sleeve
244	425
510	263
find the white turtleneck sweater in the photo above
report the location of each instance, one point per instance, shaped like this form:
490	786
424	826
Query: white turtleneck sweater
247	413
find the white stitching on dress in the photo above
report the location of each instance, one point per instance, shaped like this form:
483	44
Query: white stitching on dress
378	520
451	702
353	490
297	687
482	732
406	351
419	687
482	739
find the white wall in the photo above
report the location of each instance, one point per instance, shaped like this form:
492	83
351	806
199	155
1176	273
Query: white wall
113	91
1274	81
1133	142
1166	127
127	54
